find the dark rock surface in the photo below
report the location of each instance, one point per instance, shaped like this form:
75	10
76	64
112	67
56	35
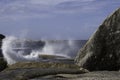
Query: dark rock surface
102	51
1	37
3	63
1	55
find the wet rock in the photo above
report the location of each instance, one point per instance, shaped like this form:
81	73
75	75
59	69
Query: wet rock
1	55
1	37
3	64
102	51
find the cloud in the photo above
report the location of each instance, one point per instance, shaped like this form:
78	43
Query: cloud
36	8
19	9
54	2
84	6
68	18
46	8
47	2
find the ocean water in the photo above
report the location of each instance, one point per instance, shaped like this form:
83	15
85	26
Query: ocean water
17	50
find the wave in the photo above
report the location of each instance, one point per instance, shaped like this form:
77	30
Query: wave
17	50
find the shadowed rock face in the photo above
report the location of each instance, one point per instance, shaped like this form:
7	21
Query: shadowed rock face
3	63
102	51
1	37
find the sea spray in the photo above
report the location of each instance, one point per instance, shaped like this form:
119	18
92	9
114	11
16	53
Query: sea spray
17	50
11	56
8	53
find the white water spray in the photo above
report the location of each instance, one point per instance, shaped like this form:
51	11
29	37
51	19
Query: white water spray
10	55
10	44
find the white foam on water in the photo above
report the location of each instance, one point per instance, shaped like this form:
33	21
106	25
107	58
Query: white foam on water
59	48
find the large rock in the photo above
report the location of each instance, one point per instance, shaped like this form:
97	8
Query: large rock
97	75
1	37
31	70
3	63
102	51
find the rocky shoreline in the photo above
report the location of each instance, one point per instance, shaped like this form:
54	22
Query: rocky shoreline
99	59
31	70
54	71
58	70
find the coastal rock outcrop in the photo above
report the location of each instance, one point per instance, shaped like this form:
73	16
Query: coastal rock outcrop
102	51
1	37
3	63
31	70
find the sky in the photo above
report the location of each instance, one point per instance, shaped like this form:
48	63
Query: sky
54	19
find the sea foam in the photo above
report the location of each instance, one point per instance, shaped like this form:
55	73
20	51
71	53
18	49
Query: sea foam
14	49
